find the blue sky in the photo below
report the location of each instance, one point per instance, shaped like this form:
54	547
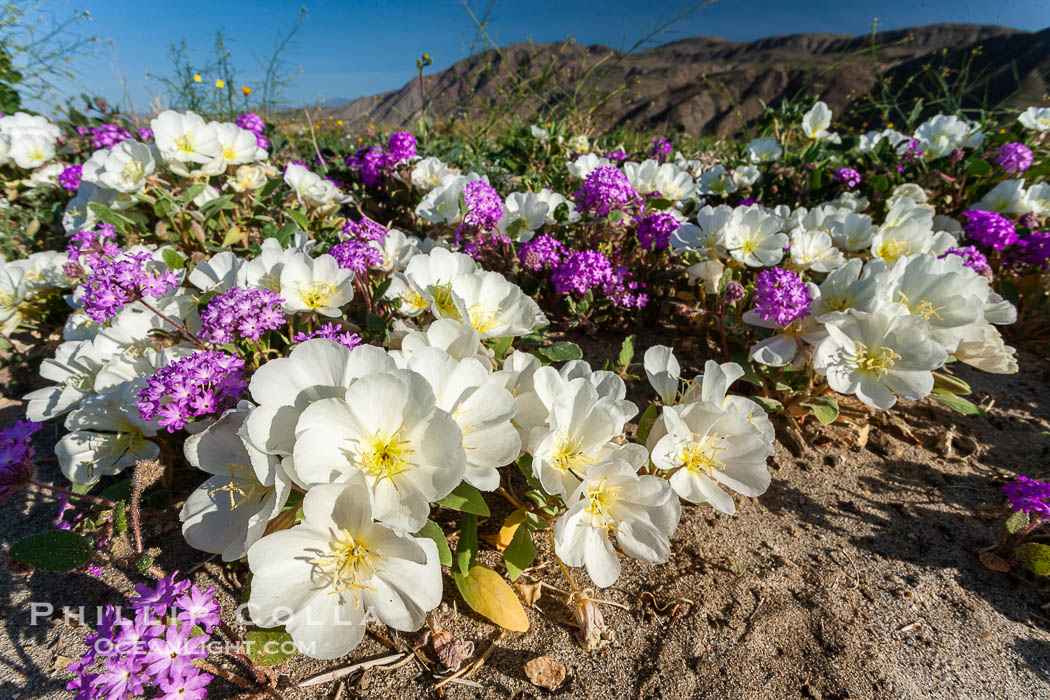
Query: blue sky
353	48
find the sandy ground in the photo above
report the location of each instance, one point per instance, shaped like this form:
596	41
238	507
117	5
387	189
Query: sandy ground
856	575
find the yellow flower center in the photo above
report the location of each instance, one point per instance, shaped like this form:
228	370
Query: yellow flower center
228	152
184	142
242	483
923	308
443	301
878	361
348	564
569	457
749	244
701	456
892	249
483	319
133	171
384	457
601	499
315	295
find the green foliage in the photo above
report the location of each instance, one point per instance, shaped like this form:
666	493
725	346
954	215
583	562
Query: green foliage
1035	557
467	499
54	550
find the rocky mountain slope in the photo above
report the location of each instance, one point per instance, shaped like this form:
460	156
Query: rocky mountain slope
714	86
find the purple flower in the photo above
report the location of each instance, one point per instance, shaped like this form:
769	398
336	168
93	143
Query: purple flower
604	189
120	680
660	149
990	229
239	312
734	292
145	133
1034	250
1014	157
199	608
252	122
172	655
114	283
654	230
331	331
972	258
202	383
401	146
108	136
748	202
186	687
616	156
781	296
373	162
69	178
848	176
484	206
16	456
356	255
262	142
365	229
1030	496
542	251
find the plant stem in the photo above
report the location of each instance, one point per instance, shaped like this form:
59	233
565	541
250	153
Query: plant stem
72	494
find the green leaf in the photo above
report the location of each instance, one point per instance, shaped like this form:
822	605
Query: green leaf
645	424
1035	556
467	546
467	499
659	203
957	403
432	531
949	384
285	233
879	183
626	351
190	194
724	280
524	463
488	594
299	217
562	351
172	259
500	346
264	646
768	405
375	324
825	408
979	167
159	499
520	553
1016	522
54	550
232	236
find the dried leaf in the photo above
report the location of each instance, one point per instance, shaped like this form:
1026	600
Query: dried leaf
490	595
529	592
994	562
510	526
545	672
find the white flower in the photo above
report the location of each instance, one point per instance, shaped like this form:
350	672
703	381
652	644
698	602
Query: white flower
754	237
539	133
815	123
74	367
789	343
717	181
106	436
869	141
1035	118
494	306
854	232
764	149
220	272
944	292
46	176
311	188
706	446
247	178
709	236
909	238
389	429
229	512
942	134
31	150
480	405
585	165
1038	198
184	138
746	175
613	500
643	176
42	270
457	339
441	204
237	146
523	213
555	200
397	249
814	250
878	354
852	286
579	144
264	270
674	184
123	168
12	294
431	276
322	578
1008	197
582	425
314	370
982	346
315	284
429	172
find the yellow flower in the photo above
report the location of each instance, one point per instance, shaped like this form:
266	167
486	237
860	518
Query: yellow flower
340	122
246	90
219	83
196	77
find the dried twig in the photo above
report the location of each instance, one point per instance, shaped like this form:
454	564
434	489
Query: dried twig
348	670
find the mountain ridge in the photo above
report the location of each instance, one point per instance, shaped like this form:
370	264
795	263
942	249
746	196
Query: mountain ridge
712	85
